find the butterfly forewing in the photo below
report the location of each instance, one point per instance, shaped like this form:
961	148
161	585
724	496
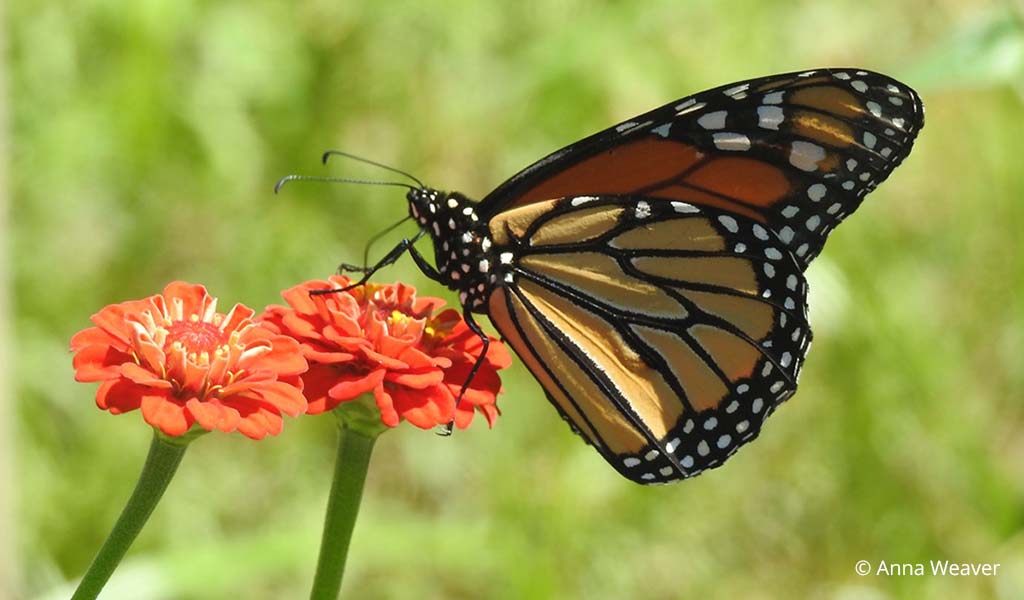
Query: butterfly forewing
662	331
796	152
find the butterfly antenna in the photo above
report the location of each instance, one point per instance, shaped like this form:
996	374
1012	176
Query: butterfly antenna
287	178
330	153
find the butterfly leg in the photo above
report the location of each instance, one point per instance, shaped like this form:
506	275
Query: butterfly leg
351	268
425	267
404	246
486	341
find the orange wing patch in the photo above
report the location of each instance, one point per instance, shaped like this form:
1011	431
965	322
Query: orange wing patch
600	277
829	99
704	389
582	226
822	128
693	235
747	180
624	169
589	408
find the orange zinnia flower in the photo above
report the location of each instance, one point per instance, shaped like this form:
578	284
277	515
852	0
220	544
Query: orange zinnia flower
182	362
386	340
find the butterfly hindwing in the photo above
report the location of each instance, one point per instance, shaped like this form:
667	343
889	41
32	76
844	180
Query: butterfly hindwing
796	152
662	331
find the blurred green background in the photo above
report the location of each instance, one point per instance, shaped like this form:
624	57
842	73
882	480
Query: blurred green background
143	142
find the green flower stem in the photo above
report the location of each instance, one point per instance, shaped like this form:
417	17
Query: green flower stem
164	457
358	427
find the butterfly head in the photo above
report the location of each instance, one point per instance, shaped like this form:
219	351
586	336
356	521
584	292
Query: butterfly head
463	250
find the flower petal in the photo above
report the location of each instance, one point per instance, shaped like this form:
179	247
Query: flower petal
259	422
92	336
191	297
212	414
416	379
237	317
285	355
425	408
141	376
285	398
353	385
385	402
98	363
113	320
120	396
166	413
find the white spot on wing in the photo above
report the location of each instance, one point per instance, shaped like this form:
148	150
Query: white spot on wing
732	141
689	106
581	200
733	91
683	207
713	120
769	117
662	130
805	155
729	223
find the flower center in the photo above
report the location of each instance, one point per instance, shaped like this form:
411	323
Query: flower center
196	336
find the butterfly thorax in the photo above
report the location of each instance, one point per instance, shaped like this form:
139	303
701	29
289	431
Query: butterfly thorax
463	253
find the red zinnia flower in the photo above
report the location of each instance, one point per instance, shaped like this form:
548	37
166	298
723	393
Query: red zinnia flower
182	362
382	338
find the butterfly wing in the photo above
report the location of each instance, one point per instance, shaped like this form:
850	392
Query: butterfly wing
663	332
796	152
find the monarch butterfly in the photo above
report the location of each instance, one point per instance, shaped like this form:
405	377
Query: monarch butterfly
650	276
